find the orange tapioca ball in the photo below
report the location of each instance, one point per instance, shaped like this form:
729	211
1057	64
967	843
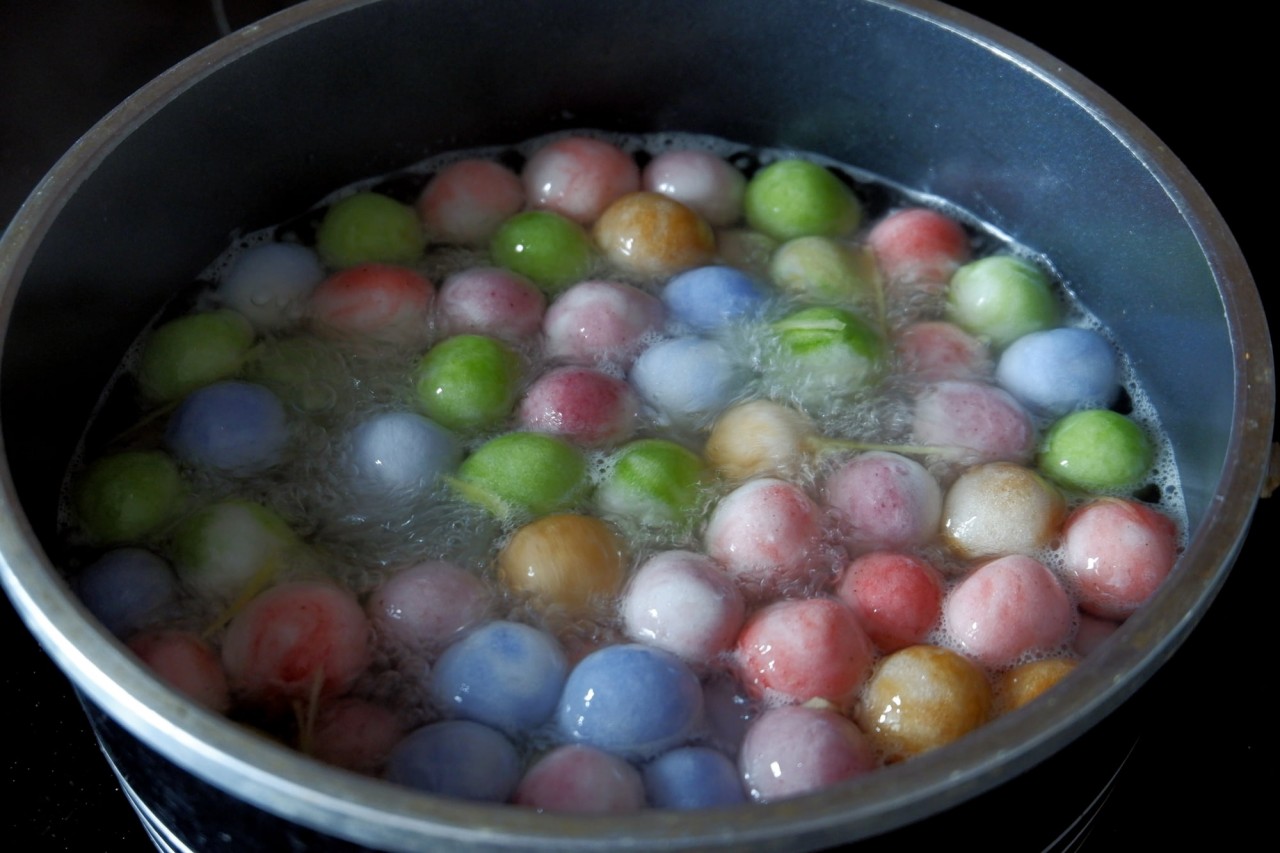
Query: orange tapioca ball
564	559
920	698
1021	684
649	233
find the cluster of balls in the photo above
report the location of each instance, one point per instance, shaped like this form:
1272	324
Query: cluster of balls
631	371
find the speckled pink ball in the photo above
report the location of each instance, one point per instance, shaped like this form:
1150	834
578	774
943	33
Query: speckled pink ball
578	177
699	180
797	750
896	597
601	321
886	500
934	350
1008	608
684	603
490	301
579	779
187	664
918	246
467	201
982	422
802	649
425	607
767	533
581	405
1118	552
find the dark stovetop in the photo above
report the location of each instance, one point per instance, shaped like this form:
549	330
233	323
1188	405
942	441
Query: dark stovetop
1193	736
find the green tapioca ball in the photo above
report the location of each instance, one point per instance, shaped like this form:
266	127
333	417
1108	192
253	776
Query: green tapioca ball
191	352
826	352
796	198
233	547
1096	450
1001	298
524	472
126	496
655	482
819	269
369	228
552	251
468	383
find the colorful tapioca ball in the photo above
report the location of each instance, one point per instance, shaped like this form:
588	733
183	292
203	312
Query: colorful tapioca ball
192	351
369	228
825	354
578	177
699	179
1008	608
354	734
126	589
467	201
887	501
601	321
796	749
693	777
918	247
1118	553
823	271
457	758
234	547
580	404
684	603
186	663
270	284
1001	508
797	198
524	473
708	299
1023	684
897	597
579	779
759	438
237	428
375	302
650	234
425	607
1057	371
979	422
468	383
400	454
655	483
767	534
549	250
490	301
688	381
934	350
127	496
570	562
1096	450
1001	298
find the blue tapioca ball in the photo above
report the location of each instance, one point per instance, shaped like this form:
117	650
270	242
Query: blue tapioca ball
270	283
506	675
709	298
456	758
401	451
631	700
693	777
234	427
1060	370
688	380
126	588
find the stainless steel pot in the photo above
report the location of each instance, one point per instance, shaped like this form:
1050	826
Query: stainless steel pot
257	127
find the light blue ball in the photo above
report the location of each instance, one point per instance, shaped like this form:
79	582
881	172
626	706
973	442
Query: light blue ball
126	588
631	700
1060	370
234	427
693	777
399	452
688	380
710	298
457	758
270	283
506	675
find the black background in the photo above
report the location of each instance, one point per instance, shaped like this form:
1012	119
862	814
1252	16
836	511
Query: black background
1197	79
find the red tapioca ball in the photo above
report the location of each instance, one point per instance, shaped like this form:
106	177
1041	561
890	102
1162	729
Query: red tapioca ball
980	421
935	350
802	649
491	301
581	405
918	246
896	597
1091	632
887	500
766	533
1118	552
578	779
596	321
578	177
467	201
186	663
1008	608
798	749
425	607
377	302
295	641
684	603
355	734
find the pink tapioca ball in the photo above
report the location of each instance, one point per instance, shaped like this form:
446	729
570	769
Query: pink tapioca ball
797	750
918	246
298	640
935	350
699	180
467	201
579	779
1091	632
887	501
578	177
582	405
598	321
684	603
981	422
896	597
377	302
425	607
355	734
766	533
1008	608
490	301
802	649
187	664
1118	552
